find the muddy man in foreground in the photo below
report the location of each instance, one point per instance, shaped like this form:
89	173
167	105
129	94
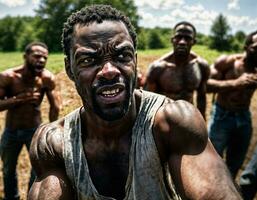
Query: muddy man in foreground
122	143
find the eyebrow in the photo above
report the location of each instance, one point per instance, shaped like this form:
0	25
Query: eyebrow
124	45
89	52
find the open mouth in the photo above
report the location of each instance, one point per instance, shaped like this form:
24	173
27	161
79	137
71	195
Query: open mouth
111	94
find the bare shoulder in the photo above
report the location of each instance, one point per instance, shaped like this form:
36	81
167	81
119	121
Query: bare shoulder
161	64
47	146
225	62
202	62
47	75
8	75
180	127
48	78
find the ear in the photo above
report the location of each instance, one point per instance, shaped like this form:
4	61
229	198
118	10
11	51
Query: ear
194	41
68	68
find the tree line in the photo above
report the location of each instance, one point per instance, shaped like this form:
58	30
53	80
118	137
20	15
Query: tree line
46	26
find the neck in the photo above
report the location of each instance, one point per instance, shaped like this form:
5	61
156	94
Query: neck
27	75
181	59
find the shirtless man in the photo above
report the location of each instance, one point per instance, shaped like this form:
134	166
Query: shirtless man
21	92
234	79
122	143
181	72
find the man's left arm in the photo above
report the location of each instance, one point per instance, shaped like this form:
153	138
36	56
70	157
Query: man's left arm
197	171
53	99
201	91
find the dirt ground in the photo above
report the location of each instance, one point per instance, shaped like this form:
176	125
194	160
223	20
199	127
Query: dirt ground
70	101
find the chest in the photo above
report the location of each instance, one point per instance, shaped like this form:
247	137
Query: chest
175	79
20	85
108	166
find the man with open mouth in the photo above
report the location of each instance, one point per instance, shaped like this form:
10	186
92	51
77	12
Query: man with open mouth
21	93
123	143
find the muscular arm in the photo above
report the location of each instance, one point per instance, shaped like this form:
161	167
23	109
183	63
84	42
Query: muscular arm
197	170
201	91
219	83
152	77
46	158
53	98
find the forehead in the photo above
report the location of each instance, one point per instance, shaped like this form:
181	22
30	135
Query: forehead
96	35
36	49
184	29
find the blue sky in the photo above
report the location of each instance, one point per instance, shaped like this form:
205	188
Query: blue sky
241	14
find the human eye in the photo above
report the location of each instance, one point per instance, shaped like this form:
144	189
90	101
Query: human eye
124	56
86	61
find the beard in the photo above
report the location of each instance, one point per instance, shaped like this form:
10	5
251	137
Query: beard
33	69
110	112
252	58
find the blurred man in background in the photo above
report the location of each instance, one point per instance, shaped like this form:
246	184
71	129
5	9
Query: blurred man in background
21	92
234	79
181	72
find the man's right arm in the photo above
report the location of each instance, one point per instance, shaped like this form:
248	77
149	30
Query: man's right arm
152	76
47	161
218	81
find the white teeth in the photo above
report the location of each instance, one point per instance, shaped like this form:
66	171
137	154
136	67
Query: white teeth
110	92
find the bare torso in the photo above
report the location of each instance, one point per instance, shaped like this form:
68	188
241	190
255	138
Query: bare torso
178	81
14	85
238	98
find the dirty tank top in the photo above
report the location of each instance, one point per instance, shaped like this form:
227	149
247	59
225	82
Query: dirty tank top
147	178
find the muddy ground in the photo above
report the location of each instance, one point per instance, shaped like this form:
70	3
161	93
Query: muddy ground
70	101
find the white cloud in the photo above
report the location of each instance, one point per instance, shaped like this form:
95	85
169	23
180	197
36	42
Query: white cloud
35	2
233	5
242	22
159	4
13	3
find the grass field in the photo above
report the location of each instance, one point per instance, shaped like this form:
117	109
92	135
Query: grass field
70	99
55	61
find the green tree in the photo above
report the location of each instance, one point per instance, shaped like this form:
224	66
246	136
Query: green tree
10	29
54	13
155	40
142	39
237	42
219	34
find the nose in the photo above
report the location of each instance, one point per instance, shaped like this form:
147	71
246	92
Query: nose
182	41
108	71
42	59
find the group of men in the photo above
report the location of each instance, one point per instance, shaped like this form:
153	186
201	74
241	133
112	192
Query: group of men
125	143
233	78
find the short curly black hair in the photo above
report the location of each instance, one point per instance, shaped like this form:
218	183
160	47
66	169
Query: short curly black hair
186	24
93	13
249	38
28	48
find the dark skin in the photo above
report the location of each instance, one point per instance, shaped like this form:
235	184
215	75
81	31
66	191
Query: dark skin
178	74
234	78
179	129
22	90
